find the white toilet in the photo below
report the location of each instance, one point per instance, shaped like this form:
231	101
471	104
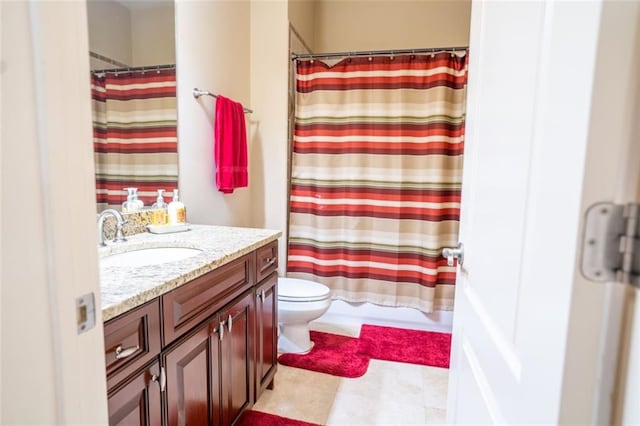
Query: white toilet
299	302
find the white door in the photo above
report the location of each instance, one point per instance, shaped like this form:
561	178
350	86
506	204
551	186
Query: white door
49	374
551	104
628	409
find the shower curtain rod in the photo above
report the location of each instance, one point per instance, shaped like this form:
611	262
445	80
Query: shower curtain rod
295	56
144	68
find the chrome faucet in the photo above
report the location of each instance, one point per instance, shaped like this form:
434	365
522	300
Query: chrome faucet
119	226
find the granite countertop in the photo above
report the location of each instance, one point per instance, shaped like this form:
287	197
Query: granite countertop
124	288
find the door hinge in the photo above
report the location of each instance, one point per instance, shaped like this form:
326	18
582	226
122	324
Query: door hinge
611	245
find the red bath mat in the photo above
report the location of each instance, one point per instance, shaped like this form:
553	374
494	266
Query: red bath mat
349	357
403	345
331	354
258	418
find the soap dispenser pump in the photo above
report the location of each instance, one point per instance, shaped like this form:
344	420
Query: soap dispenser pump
159	216
177	211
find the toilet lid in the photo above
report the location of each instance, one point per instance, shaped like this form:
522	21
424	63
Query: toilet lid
297	290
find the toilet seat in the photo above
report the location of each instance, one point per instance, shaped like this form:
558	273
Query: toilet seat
296	290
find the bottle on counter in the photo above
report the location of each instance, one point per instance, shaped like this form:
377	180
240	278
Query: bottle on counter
176	210
138	201
159	215
131	205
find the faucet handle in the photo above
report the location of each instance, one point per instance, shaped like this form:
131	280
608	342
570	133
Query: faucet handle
120	232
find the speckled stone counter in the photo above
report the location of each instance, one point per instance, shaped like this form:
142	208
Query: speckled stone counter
136	223
124	288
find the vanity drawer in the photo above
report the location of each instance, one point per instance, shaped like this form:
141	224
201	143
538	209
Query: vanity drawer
266	260
186	306
131	340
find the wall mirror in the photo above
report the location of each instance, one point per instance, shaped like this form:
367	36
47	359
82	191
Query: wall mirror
133	90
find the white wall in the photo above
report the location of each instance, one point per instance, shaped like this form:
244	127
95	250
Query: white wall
212	45
153	35
109	32
136	36
250	67
50	375
269	88
302	16
353	25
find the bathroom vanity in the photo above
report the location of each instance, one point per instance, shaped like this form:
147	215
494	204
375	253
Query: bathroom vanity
192	341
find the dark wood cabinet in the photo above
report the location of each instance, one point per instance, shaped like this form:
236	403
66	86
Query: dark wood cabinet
266	260
236	349
209	372
138	401
131	341
218	353
266	333
189	305
192	367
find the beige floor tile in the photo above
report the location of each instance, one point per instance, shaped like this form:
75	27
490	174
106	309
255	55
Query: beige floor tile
300	394
435	383
382	409
396	381
303	379
389	393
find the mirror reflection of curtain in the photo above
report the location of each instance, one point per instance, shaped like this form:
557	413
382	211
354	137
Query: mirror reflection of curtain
376	177
134	134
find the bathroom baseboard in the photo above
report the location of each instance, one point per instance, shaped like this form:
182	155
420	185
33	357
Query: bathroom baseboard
345	313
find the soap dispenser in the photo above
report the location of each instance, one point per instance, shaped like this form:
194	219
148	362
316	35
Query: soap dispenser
130	205
159	216
177	211
139	202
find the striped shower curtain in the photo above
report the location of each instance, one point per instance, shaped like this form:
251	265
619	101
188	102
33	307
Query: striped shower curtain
376	176
134	134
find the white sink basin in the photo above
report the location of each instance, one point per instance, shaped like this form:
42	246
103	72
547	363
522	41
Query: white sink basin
148	256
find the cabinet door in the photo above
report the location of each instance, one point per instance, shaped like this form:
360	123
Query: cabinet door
237	360
138	401
192	365
266	333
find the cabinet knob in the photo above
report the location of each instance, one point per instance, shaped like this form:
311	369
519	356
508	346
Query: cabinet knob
160	379
123	353
221	329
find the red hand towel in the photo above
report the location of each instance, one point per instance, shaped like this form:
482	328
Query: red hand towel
230	146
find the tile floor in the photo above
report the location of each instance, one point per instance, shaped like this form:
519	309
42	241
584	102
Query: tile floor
389	393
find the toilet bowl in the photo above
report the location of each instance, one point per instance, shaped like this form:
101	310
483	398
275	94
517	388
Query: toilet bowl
299	302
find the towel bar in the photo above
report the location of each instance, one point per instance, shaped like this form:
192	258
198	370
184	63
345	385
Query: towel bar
198	92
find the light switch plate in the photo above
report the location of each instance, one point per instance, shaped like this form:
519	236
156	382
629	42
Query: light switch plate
85	312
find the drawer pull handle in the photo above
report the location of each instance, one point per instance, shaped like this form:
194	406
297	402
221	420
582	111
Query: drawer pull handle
161	379
123	353
269	261
230	322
